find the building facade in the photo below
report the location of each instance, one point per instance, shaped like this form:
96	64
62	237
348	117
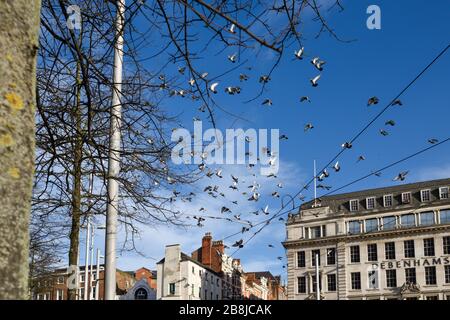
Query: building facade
181	277
385	243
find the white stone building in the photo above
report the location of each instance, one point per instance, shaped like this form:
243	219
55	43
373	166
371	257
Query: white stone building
180	277
386	243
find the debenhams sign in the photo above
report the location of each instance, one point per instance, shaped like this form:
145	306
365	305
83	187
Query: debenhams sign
424	262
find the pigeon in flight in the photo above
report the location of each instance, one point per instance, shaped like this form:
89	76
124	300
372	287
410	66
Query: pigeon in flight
267	102
346	145
390	123
266	210
213	87
299	54
239	244
232	28
361	158
233	90
318	63
232	58
254	197
321	186
315	80
308	126
181	70
243	77
204	75
433	141
224	210
305	98
337	166
219	173
384	132
275	194
270	246
264	79
283	137
401	176
397	102
372	101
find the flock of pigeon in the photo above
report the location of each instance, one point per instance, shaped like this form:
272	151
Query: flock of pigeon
251	192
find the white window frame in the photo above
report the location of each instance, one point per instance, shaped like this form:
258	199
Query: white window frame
374	202
421	195
60	282
403	197
384	200
58	295
82	278
441	193
357	205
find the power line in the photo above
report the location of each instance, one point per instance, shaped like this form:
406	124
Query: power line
441	53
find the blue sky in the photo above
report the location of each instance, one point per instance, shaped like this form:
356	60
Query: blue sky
378	63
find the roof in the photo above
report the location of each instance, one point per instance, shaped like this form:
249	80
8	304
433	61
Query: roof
259	274
185	257
335	201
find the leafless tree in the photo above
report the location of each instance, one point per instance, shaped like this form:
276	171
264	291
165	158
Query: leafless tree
166	45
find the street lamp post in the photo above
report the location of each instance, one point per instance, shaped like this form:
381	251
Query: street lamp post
114	159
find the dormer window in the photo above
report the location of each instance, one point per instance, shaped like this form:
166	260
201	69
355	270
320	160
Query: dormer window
370	203
406	197
354	205
387	200
443	193
425	195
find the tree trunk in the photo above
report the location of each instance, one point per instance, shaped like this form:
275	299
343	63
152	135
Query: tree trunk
19	31
76	193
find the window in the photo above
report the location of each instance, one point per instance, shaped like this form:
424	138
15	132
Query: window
206	294
315	232
313	257
354	205
354	227
446	245
410	275
301	284
447	274
193	270
200	292
409	249
389	223
372	254
373	279
370	203
391	278
82	278
389	250
356	280
387	200
60	280
430	275
427	218
192	290
406	197
432	298
199	273
301	263
408	220
59	294
445	216
171	288
331	256
314	283
141	294
371	225
425	195
331	282
354	254
443	193
428	247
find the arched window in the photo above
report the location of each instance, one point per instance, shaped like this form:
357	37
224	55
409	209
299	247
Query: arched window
140	294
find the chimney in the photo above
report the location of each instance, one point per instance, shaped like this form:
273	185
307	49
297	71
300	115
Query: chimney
206	249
